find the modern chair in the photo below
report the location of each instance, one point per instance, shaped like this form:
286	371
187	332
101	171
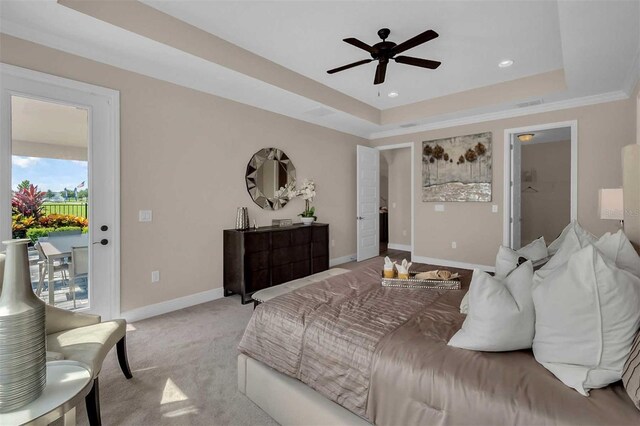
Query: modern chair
43	269
84	338
79	267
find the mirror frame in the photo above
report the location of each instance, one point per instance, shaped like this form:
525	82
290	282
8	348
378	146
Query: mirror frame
251	175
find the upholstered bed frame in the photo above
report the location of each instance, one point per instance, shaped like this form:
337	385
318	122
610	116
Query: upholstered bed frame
291	402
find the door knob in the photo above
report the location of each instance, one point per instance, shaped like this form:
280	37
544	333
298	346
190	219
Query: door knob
104	228
103	241
360	218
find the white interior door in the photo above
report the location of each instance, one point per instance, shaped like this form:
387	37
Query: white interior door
102	161
368	202
516	192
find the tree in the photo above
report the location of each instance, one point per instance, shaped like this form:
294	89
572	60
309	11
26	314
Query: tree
438	153
480	150
470	156
50	194
426	152
25	184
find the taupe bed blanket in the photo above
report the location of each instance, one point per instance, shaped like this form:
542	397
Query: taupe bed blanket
382	353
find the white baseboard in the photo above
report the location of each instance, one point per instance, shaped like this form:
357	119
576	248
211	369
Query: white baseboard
452	263
403	247
172	305
340	260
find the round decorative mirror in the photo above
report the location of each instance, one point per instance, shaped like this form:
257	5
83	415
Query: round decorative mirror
268	171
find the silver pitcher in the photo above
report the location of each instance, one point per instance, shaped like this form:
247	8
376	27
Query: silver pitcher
242	218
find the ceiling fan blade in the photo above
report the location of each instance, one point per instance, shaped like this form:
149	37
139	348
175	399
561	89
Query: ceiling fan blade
381	70
346	67
424	63
415	41
357	43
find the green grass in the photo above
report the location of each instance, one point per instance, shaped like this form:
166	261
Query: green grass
74	208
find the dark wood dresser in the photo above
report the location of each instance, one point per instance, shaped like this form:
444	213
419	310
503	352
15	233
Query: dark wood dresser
259	258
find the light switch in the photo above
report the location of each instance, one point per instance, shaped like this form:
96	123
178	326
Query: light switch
439	207
155	276
494	208
145	216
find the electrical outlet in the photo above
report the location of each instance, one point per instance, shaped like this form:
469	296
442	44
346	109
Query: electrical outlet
393	205
439	207
145	216
155	276
404	232
494	208
454	245
333	243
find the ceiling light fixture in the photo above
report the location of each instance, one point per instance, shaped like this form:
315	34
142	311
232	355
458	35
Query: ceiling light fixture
525	137
393	94
506	63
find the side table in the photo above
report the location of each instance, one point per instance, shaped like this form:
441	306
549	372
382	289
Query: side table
68	382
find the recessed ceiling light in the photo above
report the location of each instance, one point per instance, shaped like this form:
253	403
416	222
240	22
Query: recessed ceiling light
393	94
506	63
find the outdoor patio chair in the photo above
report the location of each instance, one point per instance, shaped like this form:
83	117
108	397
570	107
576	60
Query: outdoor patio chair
79	267
43	269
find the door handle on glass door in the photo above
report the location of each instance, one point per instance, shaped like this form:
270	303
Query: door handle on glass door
360	218
103	241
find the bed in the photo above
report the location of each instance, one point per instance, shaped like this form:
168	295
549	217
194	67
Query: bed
340	349
381	355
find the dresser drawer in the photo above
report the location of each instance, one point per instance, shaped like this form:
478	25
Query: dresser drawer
256	242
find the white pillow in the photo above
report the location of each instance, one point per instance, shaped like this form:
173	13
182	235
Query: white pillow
507	261
574	226
501	315
618	248
586	316
615	247
535	250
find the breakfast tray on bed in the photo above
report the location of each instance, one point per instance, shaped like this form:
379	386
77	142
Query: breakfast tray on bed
413	282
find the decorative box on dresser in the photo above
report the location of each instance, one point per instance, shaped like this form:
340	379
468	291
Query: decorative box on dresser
259	258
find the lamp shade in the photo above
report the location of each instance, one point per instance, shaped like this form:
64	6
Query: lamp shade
611	204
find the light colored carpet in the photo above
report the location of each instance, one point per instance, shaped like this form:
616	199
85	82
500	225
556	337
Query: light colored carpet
184	371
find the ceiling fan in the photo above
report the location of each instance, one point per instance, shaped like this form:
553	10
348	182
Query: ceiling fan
386	50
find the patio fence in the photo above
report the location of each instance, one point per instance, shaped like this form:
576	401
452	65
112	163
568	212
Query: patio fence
75	209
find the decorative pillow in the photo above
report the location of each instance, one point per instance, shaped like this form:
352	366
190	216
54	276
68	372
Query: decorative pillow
501	315
631	372
508	259
618	248
574	226
586	317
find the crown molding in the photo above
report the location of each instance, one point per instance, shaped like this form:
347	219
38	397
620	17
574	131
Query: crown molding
511	113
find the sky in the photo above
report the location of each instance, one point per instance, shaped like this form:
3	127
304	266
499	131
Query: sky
47	173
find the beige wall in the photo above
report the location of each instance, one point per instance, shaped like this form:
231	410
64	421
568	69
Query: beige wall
399	181
184	155
546	206
603	130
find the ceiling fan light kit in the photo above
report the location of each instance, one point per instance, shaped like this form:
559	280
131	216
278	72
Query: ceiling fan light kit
385	51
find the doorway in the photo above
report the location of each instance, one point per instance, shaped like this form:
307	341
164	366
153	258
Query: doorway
541	182
368	200
395	201
59	177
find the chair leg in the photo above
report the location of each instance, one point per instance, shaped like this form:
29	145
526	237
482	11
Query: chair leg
92	400
121	348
